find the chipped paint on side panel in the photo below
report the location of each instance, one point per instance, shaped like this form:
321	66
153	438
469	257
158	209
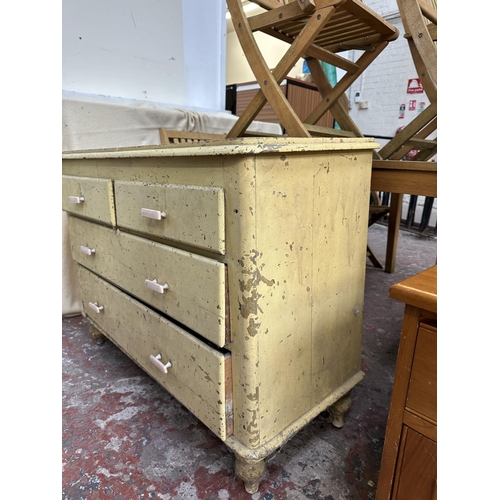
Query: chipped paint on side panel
239	182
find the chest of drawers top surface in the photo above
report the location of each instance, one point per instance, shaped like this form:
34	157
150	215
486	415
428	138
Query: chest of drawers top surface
236	146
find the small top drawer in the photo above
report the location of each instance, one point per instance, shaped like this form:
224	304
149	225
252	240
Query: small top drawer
190	214
89	197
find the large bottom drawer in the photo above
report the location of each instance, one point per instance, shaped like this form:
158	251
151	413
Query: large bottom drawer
195	374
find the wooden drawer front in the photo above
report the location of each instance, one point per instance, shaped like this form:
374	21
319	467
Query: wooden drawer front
416	474
422	391
192	215
200	377
95	197
196	294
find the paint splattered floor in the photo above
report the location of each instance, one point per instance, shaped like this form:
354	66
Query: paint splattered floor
125	438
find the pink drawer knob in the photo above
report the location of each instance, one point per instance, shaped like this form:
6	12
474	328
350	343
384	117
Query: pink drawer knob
153	214
96	307
155	360
76	199
155	286
87	250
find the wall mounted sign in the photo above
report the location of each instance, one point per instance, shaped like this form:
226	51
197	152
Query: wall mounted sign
421	107
402	110
414	86
412	106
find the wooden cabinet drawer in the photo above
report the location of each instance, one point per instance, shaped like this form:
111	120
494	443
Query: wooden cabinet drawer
417	468
200	377
422	391
196	293
189	214
89	197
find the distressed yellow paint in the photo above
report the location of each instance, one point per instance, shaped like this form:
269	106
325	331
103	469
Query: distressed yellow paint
296	213
99	201
197	375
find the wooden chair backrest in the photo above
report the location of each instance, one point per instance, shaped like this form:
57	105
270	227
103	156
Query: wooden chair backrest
179	137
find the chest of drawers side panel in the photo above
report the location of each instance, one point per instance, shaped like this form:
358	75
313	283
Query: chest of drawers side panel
340	229
197	375
311	226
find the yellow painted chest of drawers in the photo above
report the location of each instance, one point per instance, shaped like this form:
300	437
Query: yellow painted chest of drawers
233	273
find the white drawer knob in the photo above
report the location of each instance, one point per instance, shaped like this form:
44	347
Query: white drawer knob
76	199
155	286
156	362
96	307
152	214
87	250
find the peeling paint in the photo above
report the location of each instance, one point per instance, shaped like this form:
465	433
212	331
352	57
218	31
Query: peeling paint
253	327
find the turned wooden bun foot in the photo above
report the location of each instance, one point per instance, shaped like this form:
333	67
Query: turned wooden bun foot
96	334
250	473
339	409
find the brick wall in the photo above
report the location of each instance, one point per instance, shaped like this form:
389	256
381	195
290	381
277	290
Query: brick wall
383	86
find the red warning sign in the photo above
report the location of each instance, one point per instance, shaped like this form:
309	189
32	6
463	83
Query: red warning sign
414	86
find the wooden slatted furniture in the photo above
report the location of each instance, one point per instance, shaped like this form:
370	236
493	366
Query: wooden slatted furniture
318	30
409	459
179	137
227	272
420	23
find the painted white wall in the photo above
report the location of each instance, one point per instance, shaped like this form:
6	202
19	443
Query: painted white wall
156	50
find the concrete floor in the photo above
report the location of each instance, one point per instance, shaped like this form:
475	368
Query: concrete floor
125	438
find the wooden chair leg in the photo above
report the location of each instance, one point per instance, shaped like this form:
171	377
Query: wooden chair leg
373	259
412	207
396	205
426	213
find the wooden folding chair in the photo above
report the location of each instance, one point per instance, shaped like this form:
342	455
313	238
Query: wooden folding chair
317	30
420	23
